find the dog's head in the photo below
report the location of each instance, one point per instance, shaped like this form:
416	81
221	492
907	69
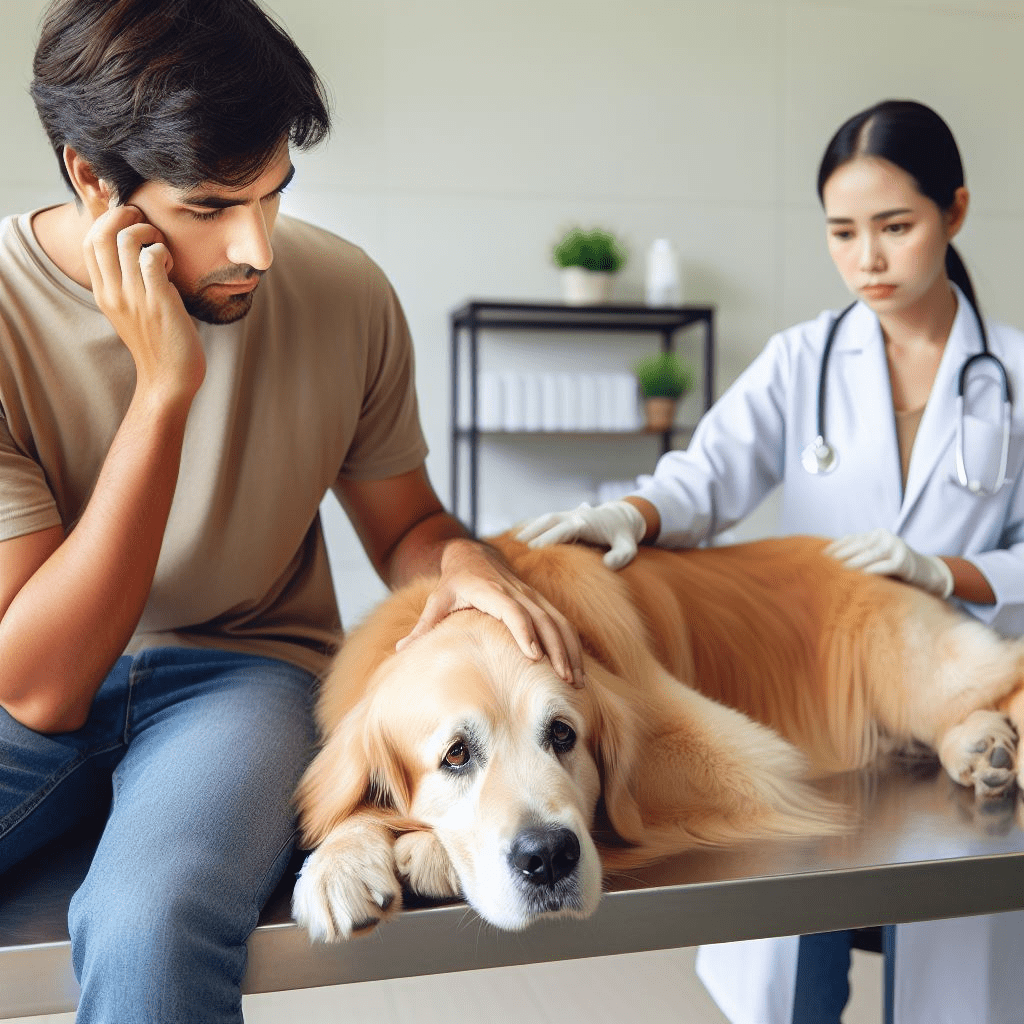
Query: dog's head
496	755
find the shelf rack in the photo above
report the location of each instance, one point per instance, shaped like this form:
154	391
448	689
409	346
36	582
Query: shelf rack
477	315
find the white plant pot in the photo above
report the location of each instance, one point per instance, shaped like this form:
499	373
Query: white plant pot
586	287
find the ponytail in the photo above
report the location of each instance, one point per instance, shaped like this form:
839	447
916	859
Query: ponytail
956	271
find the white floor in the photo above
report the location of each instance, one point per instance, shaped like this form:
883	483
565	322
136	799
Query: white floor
657	988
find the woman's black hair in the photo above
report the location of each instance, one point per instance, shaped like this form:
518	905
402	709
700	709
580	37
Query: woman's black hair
178	91
915	139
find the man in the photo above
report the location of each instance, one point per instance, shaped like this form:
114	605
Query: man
183	376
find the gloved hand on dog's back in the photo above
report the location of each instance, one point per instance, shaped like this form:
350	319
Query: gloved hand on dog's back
617	525
882	553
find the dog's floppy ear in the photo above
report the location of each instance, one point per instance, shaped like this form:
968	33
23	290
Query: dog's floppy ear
365	648
356	768
335	783
615	733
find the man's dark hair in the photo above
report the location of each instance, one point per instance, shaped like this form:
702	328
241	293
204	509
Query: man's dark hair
178	91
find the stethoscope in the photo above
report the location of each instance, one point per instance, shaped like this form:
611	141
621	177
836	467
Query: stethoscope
820	457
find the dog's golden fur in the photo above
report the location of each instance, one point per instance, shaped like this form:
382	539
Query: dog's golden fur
685	653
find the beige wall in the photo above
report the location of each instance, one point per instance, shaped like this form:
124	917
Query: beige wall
467	133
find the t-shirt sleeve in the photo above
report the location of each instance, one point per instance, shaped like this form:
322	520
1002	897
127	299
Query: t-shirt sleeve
26	503
388	439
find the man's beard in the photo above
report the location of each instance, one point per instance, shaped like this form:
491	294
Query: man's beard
203	306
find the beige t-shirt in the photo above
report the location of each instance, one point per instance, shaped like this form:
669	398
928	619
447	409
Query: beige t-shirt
314	385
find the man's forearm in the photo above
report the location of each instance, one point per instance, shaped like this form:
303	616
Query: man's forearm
73	618
418	552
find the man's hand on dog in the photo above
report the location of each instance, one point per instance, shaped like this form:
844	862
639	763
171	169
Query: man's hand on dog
475	576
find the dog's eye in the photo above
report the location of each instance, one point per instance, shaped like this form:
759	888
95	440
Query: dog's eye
563	736
457	756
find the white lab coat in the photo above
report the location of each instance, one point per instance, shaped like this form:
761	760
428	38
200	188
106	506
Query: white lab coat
750	442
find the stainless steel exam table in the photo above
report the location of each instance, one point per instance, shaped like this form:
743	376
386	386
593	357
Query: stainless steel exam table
922	849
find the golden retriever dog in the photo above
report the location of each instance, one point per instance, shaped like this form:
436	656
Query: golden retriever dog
718	682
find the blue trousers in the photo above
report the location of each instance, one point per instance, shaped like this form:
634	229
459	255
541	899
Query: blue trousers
197	753
823	976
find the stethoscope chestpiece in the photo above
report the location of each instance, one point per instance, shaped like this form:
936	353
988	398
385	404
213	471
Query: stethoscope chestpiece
819	457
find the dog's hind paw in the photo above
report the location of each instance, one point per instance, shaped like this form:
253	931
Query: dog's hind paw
424	866
346	886
981	752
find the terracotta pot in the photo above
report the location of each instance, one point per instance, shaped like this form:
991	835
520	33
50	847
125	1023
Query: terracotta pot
586	287
660	413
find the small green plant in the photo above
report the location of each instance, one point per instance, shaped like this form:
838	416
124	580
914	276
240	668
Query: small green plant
592	250
663	376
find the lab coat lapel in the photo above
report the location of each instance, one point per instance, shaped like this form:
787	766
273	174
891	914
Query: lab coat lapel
861	383
938	423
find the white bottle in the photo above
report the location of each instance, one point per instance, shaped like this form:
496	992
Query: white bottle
549	410
589	408
514	406
492	401
662	280
533	402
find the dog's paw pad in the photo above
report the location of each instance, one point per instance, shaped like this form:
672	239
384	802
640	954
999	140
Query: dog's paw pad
995	772
1000	758
981	752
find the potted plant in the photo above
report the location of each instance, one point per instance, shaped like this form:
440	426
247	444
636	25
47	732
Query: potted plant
663	380
589	260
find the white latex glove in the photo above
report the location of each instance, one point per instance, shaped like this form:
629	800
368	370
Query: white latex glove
617	525
882	553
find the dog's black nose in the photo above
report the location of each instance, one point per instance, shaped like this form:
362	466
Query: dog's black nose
543	856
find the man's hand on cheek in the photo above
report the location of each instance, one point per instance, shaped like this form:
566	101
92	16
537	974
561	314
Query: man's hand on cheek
474	576
128	264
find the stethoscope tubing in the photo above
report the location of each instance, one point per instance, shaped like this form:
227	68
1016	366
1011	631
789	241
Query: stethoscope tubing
826	352
820	457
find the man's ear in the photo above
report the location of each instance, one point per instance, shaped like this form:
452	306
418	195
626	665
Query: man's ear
93	192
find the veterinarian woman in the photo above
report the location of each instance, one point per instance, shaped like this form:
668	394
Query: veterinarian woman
886	426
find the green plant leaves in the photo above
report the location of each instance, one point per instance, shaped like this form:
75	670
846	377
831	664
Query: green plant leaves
663	376
596	250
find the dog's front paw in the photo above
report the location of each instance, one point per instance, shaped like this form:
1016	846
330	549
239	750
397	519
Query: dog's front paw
982	752
347	884
424	867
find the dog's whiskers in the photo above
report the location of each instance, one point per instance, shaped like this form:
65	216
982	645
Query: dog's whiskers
606	884
467	914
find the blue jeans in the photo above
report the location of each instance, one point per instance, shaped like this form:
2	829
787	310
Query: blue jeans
198	753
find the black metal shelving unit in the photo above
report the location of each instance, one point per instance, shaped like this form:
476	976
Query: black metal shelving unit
478	315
